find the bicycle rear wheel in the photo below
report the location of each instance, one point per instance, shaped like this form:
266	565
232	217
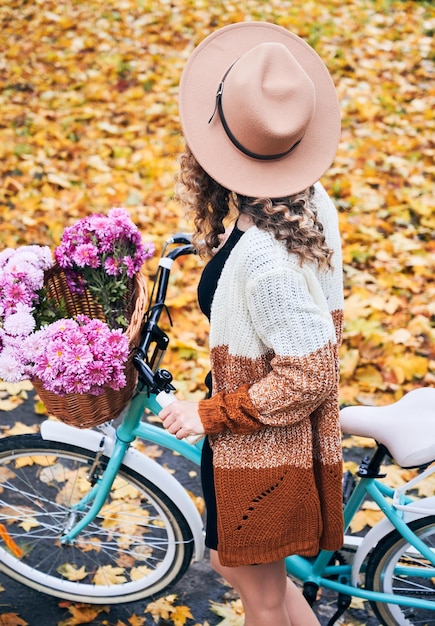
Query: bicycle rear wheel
136	547
396	567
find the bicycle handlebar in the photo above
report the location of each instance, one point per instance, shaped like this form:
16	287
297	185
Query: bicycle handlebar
159	380
179	238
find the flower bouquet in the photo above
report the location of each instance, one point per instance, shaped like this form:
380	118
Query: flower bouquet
69	325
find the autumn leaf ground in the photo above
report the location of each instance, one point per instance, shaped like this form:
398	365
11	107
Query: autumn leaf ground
89	120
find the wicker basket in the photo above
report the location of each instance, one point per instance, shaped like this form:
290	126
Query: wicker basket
85	410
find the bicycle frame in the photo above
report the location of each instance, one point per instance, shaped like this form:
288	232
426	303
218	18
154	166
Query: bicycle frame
319	571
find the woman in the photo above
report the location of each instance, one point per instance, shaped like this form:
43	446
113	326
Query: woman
261	122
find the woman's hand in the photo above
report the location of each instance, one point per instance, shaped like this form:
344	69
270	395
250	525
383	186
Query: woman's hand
181	418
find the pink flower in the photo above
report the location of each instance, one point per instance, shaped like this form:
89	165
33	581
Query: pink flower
34	343
43	369
117	345
63	256
99	372
5	256
100	255
21	279
15	292
20	323
77	385
111	236
12	369
80	355
118	381
149	250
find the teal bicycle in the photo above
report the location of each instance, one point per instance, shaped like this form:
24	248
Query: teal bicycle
86	516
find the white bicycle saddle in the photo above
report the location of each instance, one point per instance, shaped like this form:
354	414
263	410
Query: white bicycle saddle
406	427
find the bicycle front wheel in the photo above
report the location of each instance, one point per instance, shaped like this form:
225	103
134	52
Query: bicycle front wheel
136	547
396	567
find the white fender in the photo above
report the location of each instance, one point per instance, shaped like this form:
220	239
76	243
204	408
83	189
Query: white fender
384	527
91	440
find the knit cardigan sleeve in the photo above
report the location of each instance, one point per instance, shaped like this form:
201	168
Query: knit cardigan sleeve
286	307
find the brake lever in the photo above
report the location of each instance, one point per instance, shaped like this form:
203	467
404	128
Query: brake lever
156	382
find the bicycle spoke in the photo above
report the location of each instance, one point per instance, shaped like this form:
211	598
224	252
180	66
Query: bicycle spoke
135	542
396	567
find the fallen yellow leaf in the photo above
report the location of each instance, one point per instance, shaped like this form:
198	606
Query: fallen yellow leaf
180	615
369	378
22	429
232	613
161	608
10	404
365	517
407	368
12	619
109	575
71	572
13	389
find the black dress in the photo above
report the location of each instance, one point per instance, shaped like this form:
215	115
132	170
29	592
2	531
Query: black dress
206	289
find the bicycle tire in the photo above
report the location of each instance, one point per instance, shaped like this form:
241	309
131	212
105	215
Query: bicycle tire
394	551
137	546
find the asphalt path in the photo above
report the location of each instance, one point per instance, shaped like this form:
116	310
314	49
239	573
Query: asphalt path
197	589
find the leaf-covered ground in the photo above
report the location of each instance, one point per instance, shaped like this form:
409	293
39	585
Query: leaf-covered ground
89	120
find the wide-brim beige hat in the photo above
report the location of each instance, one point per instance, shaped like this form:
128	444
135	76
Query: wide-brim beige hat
259	110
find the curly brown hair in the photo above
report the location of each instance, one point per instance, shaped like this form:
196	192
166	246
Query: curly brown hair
292	219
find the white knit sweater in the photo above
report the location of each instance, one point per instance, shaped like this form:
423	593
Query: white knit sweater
262	273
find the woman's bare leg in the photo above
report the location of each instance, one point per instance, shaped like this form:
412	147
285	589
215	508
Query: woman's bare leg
300	612
267	595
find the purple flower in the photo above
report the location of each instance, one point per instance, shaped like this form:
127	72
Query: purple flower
102	253
118	381
62	255
110	236
129	265
75	282
149	250
112	266
86	254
